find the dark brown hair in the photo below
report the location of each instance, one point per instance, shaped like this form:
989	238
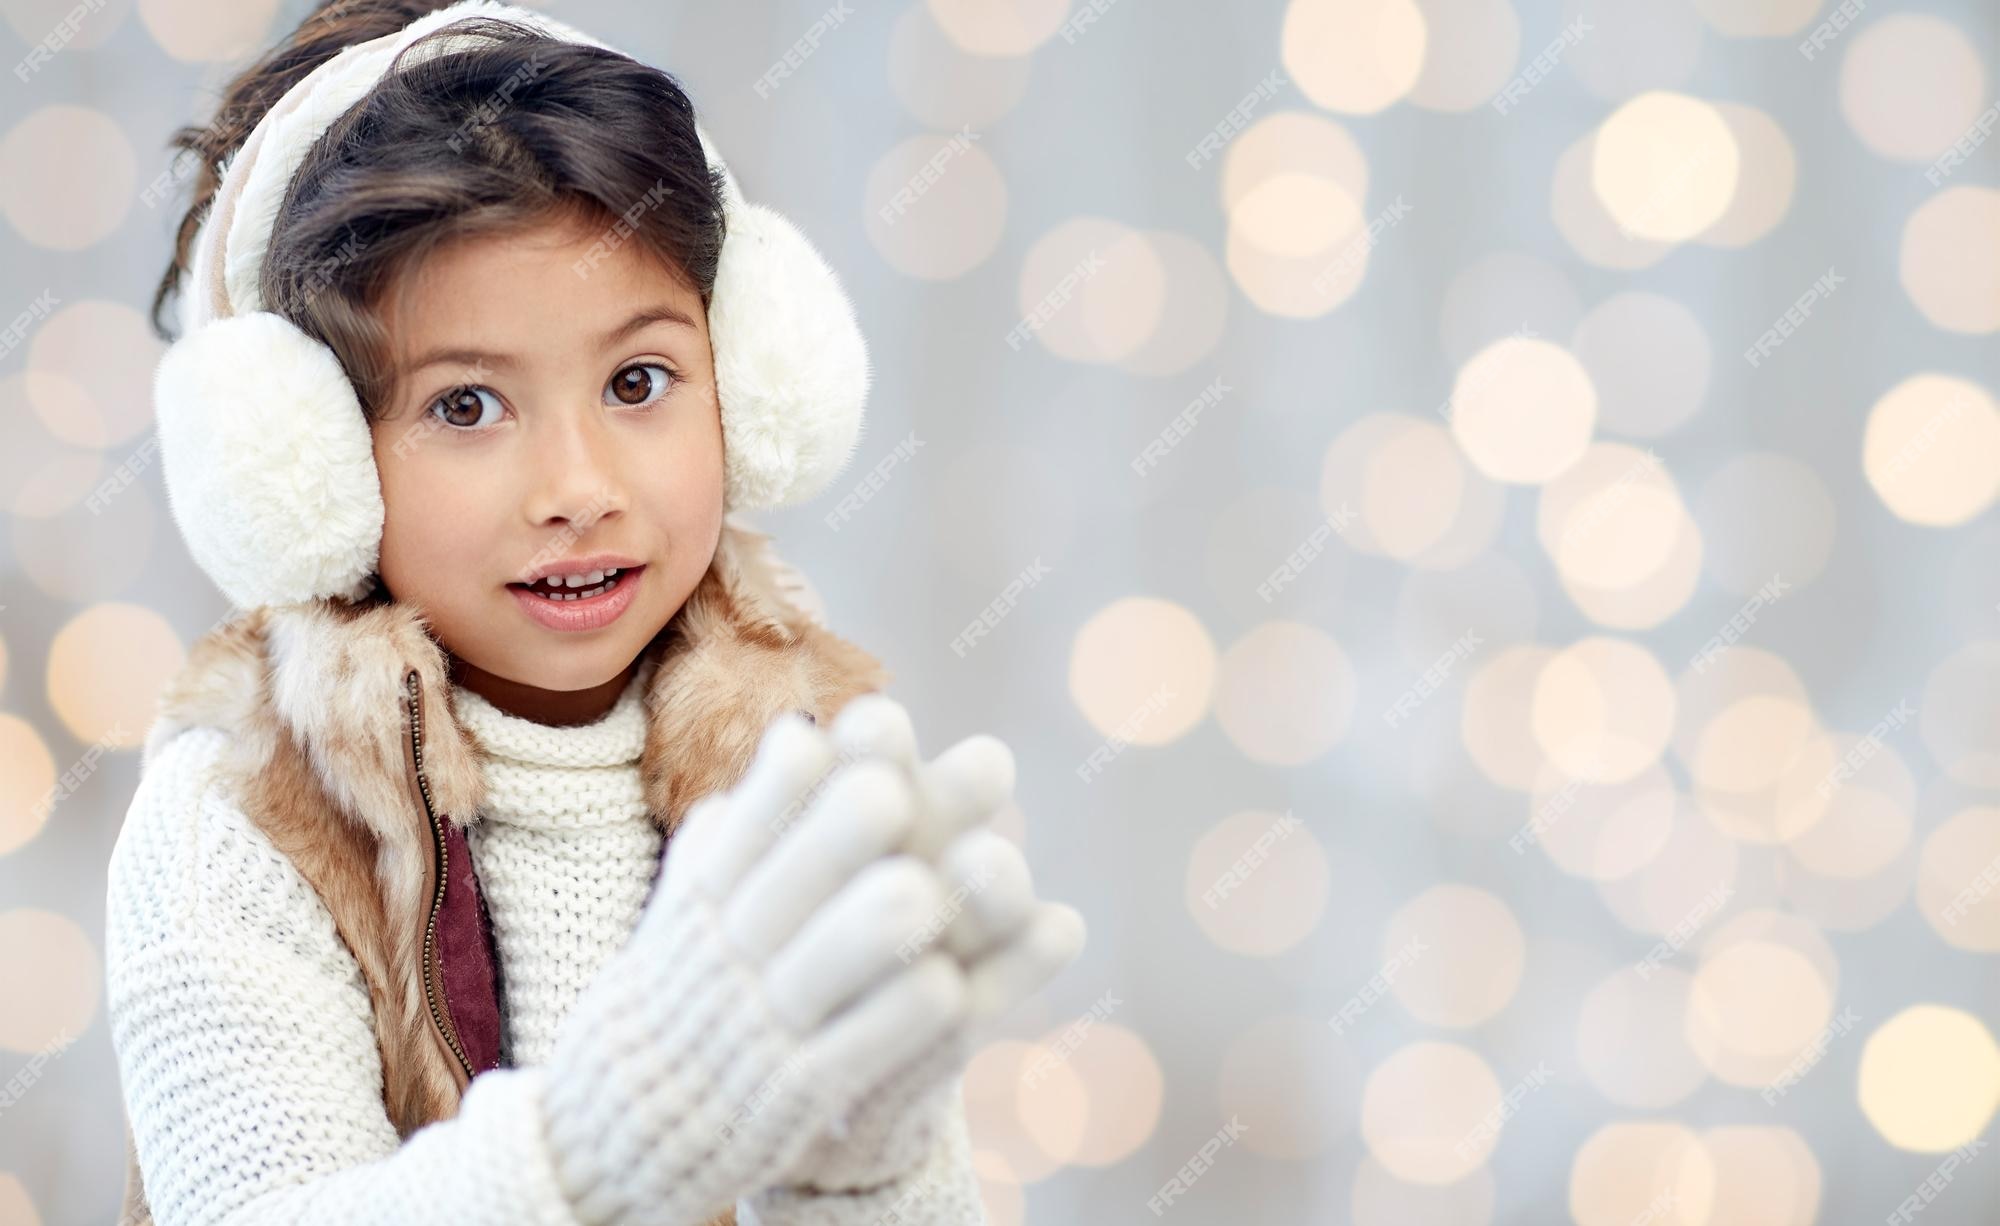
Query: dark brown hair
518	129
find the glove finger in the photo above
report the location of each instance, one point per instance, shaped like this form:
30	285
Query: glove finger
876	725
790	757
1017	970
862	815
959	789
991	876
696	826
874	926
890	1024
894	1122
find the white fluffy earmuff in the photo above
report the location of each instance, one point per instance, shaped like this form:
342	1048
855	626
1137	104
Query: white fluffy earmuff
268	460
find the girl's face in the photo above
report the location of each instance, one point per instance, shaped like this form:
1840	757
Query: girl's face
553	399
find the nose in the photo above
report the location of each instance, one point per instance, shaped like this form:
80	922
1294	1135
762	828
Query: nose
577	480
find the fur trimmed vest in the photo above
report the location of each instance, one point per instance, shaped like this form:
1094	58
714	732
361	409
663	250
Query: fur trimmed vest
346	753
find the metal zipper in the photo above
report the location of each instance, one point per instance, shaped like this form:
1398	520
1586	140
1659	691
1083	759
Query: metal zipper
433	987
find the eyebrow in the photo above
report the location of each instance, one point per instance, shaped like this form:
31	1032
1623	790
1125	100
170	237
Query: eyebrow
642	319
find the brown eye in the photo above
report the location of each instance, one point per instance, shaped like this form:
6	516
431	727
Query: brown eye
465	407
639	384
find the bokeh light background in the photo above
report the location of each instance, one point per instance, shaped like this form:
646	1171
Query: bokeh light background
1506	648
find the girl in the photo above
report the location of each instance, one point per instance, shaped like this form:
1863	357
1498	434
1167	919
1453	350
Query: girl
482	343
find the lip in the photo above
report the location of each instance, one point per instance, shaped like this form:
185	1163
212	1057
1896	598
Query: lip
589	613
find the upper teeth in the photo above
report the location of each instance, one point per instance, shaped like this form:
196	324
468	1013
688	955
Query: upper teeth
588	578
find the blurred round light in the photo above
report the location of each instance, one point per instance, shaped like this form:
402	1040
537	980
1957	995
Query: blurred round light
936	206
1932	450
1748	744
1655	1172
1286	693
1712	685
107	351
1754	1009
1764	1176
1603	710
1614	520
27	777
1021	1099
1124	1086
1356	56
1195	308
1431	1113
209	31
1091	290
1292	142
1411	491
1586	224
1867	819
1464	959
1958	880
999	1189
1523	410
1320	246
1361	463
1495	716
1930	1078
17	1208
1911	84
1767	177
1665	166
1602	831
1141	670
53	972
41	475
107	668
999	27
68	177
1257	883
1950	260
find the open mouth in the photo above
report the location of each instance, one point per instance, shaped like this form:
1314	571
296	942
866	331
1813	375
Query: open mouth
563	588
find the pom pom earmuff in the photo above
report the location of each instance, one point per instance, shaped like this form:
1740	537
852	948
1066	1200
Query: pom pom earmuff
269	463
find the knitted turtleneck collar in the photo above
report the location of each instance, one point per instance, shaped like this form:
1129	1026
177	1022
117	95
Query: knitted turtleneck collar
616	738
560	778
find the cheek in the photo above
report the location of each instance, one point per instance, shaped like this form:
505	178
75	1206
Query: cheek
428	523
688	461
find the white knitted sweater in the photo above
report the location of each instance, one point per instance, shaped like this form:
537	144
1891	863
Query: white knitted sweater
244	1031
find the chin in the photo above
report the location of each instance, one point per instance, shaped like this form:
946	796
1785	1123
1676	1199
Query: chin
576	666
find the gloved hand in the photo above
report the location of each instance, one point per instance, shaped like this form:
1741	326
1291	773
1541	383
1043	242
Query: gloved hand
772	977
1008	943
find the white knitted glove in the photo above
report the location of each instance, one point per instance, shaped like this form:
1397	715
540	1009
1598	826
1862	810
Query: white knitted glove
1009	943
771	978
